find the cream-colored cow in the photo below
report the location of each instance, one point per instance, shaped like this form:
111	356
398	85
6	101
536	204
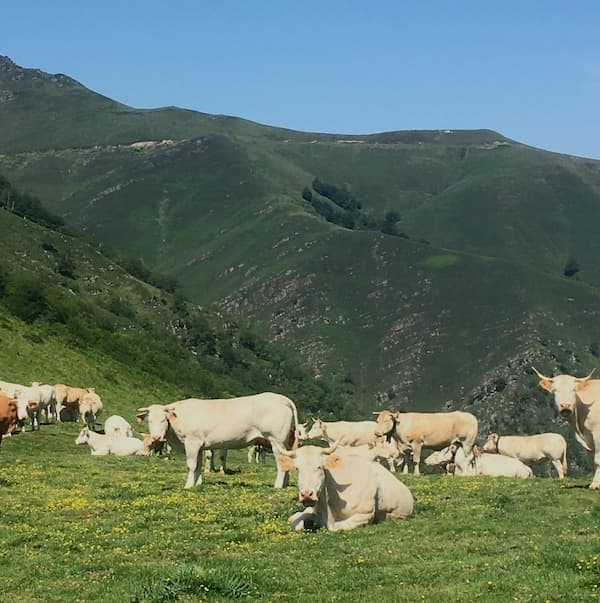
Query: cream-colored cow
531	448
578	400
343	491
428	430
479	463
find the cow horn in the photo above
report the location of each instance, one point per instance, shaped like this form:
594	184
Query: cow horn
542	377
283	451
588	377
332	448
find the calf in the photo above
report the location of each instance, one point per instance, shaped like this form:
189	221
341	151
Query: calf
102	445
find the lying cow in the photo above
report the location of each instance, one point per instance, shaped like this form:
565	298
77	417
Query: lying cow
577	400
427	430
478	462
195	425
531	449
343	491
102	444
8	416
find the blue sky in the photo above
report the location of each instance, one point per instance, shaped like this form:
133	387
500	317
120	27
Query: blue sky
530	70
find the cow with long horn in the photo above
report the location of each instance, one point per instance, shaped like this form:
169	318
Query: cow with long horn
578	400
342	492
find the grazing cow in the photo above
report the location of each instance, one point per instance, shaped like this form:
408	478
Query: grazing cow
90	406
8	416
196	425
28	404
101	444
532	448
577	399
47	400
345	433
68	397
427	430
480	463
118	426
343	491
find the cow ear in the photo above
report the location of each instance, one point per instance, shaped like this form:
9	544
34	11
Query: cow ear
547	384
582	386
286	463
331	461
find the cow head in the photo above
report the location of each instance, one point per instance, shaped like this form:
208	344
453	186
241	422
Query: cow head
440	457
565	389
311	463
386	422
158	420
317	430
83	436
491	444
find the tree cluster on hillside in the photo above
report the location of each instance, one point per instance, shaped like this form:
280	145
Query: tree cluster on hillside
27	206
338	206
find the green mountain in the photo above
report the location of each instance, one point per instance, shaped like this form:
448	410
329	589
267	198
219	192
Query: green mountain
420	268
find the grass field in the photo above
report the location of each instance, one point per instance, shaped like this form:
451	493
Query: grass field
78	528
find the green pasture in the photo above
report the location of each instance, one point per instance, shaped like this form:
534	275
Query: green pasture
78	528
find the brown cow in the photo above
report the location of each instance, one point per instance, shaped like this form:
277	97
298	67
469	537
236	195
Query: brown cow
8	415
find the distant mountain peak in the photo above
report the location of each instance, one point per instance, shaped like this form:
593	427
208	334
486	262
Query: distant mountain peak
7	64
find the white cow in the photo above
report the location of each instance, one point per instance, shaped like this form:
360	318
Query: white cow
531	448
47	400
90	406
116	425
428	430
196	425
479	463
345	433
28	405
343	491
578	400
102	444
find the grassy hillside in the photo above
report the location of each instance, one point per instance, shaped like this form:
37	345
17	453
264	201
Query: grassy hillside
449	309
109	529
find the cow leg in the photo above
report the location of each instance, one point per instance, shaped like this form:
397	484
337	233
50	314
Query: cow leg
283	477
251	453
356	521
209	461
595	485
416	455
194	452
559	468
223	458
303	520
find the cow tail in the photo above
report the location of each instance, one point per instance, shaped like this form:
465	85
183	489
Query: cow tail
564	462
296	434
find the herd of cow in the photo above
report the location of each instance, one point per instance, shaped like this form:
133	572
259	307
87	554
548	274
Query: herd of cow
343	486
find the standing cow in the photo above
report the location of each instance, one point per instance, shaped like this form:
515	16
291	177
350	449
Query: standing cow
428	430
578	400
8	416
196	425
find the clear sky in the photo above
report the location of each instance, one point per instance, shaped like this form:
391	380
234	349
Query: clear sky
528	69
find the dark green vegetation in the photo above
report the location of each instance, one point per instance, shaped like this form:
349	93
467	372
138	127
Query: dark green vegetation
110	530
495	267
69	313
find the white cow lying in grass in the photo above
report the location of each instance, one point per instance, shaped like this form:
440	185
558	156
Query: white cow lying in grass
479	463
343	491
101	444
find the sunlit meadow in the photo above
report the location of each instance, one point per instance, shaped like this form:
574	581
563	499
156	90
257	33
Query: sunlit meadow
80	528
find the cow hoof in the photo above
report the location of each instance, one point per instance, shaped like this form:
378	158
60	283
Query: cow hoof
595	486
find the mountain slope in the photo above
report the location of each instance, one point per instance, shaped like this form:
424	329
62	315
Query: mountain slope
460	298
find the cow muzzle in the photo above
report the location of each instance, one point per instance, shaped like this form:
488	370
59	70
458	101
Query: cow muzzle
307	497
